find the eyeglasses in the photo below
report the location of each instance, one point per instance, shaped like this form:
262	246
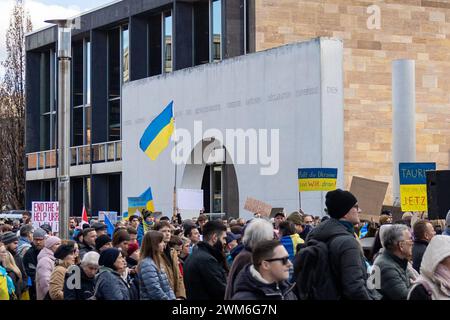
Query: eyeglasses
283	260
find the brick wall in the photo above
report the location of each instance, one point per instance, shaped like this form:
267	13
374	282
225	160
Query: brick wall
410	29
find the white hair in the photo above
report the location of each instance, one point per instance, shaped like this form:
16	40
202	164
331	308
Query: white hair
90	258
256	231
392	235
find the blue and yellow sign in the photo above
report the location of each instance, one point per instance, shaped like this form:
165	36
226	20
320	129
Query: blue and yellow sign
413	185
317	179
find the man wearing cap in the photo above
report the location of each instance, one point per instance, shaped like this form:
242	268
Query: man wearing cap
100	228
232	242
30	259
346	258
102	243
297	220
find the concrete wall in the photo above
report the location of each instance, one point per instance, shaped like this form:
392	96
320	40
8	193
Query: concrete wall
296	89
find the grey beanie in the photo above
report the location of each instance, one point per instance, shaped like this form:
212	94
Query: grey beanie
39	233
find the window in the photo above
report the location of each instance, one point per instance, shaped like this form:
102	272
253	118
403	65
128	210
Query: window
125	55
216	26
47	100
167	42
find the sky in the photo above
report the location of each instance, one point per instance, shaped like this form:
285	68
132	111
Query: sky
41	10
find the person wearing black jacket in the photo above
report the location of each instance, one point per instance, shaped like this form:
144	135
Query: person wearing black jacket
267	277
88	269
89	237
423	233
30	259
205	270
347	261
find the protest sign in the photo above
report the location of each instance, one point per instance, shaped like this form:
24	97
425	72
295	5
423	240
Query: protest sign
370	195
190	199
317	179
45	213
257	206
413	185
112	216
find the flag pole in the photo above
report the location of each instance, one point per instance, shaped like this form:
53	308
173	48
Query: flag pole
174	211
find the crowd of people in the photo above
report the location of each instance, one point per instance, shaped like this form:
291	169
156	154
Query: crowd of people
289	257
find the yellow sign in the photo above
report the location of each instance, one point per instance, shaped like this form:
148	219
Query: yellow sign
413	197
316	184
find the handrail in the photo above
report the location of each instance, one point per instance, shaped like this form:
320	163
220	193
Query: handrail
101	152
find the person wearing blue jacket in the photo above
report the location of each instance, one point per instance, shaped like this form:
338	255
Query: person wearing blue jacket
109	283
153	281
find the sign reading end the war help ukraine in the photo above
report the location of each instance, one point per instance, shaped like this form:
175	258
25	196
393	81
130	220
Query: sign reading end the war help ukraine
413	185
317	179
45	213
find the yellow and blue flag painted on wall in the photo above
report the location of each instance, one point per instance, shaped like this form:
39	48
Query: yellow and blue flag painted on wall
157	135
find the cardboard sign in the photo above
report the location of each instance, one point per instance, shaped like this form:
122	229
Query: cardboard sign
45	213
317	179
190	199
370	195
413	185
257	206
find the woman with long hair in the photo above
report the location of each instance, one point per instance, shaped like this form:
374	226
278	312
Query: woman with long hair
7	288
12	270
153	281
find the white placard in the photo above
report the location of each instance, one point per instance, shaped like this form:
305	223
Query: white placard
112	216
45	213
190	199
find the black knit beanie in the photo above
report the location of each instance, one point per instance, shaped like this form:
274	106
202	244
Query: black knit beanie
108	257
339	202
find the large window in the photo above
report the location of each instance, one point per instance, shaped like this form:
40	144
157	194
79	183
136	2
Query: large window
47	100
81	93
167	42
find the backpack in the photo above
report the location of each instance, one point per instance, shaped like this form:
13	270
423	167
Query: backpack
315	278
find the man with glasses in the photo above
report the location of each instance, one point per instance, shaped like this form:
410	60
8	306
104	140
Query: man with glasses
266	278
395	276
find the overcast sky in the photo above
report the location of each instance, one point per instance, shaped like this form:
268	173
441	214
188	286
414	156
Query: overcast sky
41	10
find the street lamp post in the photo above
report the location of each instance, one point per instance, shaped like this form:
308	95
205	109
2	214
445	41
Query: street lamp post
63	115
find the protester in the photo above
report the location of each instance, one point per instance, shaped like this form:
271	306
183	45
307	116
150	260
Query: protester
434	280
45	266
266	278
153	281
201	222
8	263
406	218
132	255
147	224
395	277
7	289
423	233
30	259
65	258
88	243
169	261
26	218
25	240
231	244
297	220
184	253
100	228
348	279
11	243
278	218
109	282
192	233
102	243
121	240
72	226
256	231
289	238
47	228
134	222
205	269
88	270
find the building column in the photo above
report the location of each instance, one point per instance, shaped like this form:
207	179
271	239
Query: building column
182	35
138	48
403	118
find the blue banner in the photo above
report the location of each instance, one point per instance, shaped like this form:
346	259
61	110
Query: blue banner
414	172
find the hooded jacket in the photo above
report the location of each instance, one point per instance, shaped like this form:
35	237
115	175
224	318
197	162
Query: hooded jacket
250	285
346	258
427	285
44	269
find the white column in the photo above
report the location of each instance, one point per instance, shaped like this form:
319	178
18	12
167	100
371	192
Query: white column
403	118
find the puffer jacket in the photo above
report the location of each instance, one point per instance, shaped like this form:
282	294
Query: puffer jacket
428	286
153	282
110	285
250	285
395	276
44	269
346	259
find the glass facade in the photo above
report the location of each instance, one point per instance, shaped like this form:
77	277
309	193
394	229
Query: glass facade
216	26
47	100
167	42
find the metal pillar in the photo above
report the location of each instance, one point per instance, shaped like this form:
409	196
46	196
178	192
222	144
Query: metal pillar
63	116
403	118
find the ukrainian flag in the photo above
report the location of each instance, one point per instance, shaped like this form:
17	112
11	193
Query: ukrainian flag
144	201
157	135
